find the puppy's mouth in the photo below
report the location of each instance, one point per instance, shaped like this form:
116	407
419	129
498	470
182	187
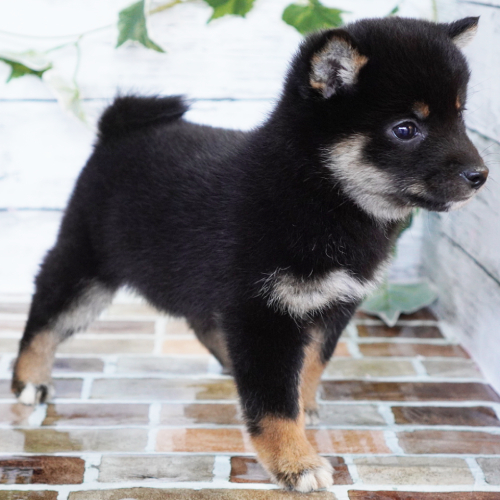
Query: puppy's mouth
438	205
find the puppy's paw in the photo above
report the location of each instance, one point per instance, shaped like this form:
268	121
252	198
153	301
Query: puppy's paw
33	394
309	479
311	416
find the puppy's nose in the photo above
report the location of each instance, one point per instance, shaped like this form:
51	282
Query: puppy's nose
477	177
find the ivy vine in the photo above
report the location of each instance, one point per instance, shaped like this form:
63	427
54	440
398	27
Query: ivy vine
133	27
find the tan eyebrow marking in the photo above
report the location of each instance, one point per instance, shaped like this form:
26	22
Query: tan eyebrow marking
421	110
458	104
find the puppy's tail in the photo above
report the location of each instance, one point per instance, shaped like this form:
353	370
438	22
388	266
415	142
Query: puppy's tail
129	113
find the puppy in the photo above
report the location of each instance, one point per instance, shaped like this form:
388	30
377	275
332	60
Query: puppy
265	241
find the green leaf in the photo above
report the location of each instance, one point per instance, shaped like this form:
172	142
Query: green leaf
394	11
25	63
311	17
392	299
230	7
132	26
67	94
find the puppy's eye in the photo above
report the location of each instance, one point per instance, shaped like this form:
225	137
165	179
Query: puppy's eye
405	131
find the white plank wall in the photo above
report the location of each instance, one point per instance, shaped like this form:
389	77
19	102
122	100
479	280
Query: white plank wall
461	249
233	66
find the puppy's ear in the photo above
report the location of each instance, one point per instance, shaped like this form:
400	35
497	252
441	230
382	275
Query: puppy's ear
462	31
336	65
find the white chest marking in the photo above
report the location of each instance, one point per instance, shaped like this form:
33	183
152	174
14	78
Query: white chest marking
300	297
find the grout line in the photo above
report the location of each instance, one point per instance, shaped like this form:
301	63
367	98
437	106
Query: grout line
159	334
110	363
86	387
387	414
92	463
419	367
353	470
222	469
38	416
477	472
154	422
392	442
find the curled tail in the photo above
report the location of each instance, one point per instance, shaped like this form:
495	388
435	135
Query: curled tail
129	113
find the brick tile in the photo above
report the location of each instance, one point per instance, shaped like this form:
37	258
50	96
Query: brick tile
96	414
331	414
163	389
115	469
205	494
445	415
66	365
348	390
491	469
41	470
11	326
15	413
115	326
349	368
418	332
28	495
184	346
131	310
54	441
430	441
341	351
414	471
452	368
188	414
408	495
13	308
81	345
65	388
177	327
428	350
347	441
202	440
165	364
9	345
236	441
248	470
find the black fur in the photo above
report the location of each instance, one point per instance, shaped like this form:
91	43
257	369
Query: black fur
197	218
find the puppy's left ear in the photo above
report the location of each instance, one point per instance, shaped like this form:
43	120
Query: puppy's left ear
336	65
463	31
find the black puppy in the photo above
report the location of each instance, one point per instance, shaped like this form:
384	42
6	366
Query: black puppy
265	241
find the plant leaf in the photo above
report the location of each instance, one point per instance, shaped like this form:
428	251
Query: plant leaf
392	299
394	11
311	17
67	94
132	26
25	63
230	7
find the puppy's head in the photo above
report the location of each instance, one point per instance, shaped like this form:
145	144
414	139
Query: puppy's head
388	96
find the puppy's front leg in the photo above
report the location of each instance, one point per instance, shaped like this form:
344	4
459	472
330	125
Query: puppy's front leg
268	352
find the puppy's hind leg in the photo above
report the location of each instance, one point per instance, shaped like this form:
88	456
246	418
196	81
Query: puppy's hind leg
68	297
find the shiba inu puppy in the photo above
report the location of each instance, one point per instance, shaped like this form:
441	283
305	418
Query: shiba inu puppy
265	241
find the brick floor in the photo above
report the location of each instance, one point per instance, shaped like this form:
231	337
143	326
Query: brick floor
143	411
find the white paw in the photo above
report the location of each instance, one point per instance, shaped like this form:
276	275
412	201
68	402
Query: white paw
316	479
35	394
311	416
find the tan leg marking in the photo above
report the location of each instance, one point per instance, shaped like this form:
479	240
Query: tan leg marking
287	455
310	378
34	363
